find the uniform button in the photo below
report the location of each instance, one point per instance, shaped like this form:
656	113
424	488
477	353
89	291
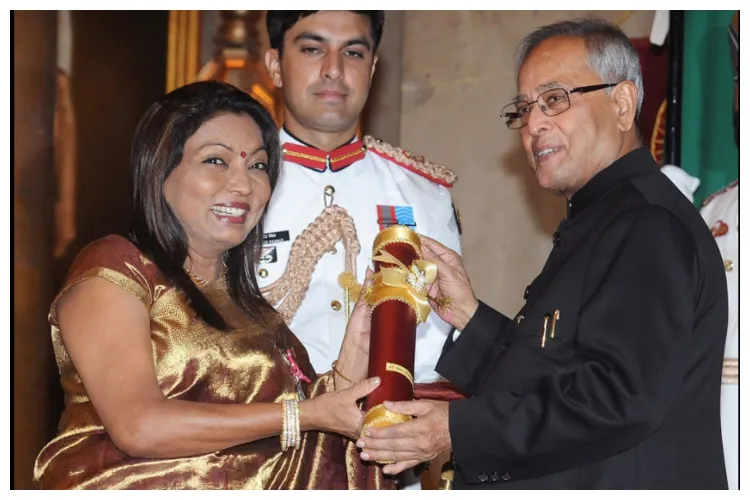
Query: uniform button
526	292
328	192
263	273
556	239
728	265
519	318
335	305
483	477
503	348
495	477
505	476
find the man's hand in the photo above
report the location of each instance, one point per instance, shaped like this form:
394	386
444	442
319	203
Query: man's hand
411	443
453	282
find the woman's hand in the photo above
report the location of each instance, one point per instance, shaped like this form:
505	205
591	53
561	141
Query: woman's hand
355	348
337	411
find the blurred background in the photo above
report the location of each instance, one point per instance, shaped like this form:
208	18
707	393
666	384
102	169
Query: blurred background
82	79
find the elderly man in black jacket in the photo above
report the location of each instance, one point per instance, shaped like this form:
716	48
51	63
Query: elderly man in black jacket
610	375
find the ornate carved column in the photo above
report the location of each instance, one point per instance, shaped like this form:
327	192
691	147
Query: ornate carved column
238	60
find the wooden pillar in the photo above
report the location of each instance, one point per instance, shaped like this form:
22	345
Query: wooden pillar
34	66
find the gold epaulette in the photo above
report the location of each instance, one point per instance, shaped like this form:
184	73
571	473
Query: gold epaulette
414	163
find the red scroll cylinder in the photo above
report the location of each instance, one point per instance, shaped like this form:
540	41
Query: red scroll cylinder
398	307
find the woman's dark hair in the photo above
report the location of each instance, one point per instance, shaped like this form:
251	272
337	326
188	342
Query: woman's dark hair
157	149
278	22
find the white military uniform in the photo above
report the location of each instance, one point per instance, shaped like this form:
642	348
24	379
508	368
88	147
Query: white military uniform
721	211
403	195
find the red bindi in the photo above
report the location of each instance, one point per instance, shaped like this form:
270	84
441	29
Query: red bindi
243	154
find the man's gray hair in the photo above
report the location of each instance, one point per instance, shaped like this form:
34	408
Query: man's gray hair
610	53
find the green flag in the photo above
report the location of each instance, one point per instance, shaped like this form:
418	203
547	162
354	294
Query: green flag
708	148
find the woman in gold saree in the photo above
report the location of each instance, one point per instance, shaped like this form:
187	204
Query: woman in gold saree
177	373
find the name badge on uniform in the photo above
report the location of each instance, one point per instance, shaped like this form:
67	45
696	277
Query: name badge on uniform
396	216
268	255
277	237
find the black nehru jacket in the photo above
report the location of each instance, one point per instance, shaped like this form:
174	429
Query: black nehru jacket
624	394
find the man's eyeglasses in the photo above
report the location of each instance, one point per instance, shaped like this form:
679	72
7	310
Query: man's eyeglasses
552	102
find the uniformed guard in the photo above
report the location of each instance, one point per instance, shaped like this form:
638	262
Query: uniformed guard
336	192
609	375
722	214
721	211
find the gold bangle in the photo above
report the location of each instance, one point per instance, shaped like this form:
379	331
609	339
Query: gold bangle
297	429
293	431
284	427
291	435
337	372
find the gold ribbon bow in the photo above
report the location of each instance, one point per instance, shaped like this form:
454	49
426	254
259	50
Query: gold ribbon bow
414	280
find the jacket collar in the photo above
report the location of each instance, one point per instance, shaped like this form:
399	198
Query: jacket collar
633	164
297	151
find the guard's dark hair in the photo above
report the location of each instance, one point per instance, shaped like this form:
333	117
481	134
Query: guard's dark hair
278	22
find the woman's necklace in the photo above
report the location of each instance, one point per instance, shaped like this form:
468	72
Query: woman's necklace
200	281
197	279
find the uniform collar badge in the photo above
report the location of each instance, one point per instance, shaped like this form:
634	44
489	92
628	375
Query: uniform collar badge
316	159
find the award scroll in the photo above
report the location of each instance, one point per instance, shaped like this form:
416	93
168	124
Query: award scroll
398	297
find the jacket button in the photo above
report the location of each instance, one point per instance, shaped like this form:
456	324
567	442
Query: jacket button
505	476
494	477
483	478
335	305
526	292
556	239
263	273
519	318
503	348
